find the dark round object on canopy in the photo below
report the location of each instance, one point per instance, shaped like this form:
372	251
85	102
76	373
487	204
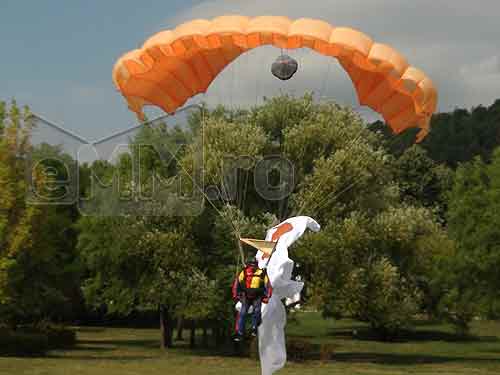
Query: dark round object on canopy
284	67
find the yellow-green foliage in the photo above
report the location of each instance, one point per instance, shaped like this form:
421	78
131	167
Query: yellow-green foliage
16	217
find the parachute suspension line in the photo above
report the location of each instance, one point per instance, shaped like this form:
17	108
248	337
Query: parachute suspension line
314	192
257	80
329	199
394	138
257	84
323	84
271	255
235	229
237	233
393	141
256	90
241	199
284	201
196	185
231	88
245	191
234	223
244	69
241	190
283	83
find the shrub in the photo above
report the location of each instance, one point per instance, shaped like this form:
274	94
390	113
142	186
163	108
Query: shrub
23	343
60	337
459	308
299	350
383	298
35	341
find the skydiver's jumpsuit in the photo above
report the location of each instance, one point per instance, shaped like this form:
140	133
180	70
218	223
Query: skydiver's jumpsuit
251	288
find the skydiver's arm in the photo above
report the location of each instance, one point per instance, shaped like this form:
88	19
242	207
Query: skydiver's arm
236	289
268	290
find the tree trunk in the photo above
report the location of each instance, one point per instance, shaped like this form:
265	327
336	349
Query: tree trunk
180	328
192	338
205	334
215	333
166	328
221	332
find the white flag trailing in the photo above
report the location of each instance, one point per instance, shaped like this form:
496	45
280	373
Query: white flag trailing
272	348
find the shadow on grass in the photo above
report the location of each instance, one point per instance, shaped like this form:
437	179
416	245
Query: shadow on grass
180	348
407	359
117	343
366	334
80	352
100	358
99	350
89	329
227	350
90	350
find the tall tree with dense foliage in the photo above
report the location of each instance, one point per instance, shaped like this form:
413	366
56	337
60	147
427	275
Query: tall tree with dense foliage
473	219
422	181
17	220
456	136
38	266
372	238
144	257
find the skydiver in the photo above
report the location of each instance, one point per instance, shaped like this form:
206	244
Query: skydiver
252	288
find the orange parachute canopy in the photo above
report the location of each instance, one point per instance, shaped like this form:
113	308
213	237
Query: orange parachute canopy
174	65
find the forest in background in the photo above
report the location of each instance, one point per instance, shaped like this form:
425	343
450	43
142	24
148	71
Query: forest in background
407	230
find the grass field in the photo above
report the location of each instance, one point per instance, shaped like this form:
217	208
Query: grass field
432	349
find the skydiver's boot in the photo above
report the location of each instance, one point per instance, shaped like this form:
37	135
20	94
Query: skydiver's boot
254	332
238	337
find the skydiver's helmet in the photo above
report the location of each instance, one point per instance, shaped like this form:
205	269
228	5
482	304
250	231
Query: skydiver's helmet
284	67
252	261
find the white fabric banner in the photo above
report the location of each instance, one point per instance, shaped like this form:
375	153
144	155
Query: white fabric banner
272	347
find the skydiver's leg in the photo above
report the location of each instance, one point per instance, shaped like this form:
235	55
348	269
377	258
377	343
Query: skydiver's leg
237	322
257	315
240	326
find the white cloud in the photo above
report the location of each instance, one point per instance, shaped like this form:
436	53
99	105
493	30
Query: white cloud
486	67
456	42
482	78
442	37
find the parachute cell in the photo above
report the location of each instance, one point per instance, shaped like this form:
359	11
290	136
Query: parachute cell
174	65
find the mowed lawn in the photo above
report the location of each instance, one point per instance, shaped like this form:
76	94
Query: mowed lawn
432	349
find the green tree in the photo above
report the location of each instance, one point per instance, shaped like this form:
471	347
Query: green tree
473	218
372	236
17	219
381	296
351	185
39	272
422	181
145	258
137	264
401	246
456	136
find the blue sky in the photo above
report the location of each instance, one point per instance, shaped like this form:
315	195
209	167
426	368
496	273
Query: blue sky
57	56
